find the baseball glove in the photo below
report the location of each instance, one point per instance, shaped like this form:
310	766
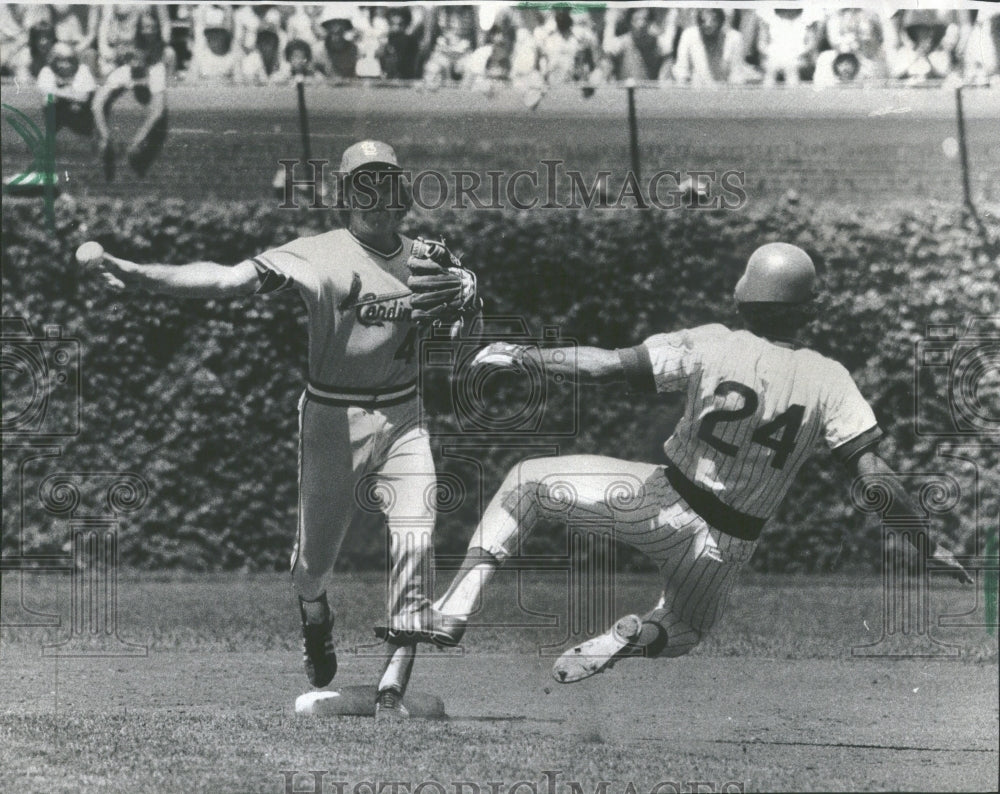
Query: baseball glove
444	292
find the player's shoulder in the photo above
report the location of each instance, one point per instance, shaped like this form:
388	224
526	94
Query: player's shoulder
689	337
816	361
833	378
345	242
312	245
711	331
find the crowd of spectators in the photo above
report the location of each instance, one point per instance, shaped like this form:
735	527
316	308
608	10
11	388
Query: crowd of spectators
78	47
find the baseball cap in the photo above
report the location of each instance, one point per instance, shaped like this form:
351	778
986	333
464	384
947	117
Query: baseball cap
368	153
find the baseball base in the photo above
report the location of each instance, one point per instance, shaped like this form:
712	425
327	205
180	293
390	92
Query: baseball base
359	701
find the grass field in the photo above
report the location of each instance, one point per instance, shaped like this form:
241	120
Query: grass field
773	700
798	687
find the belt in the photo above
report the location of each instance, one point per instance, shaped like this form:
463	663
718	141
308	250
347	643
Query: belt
716	513
368	398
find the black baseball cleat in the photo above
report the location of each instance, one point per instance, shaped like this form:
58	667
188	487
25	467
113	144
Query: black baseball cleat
427	625
318	652
389	706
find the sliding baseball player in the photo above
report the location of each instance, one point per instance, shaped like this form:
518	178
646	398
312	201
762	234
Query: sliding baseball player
757	405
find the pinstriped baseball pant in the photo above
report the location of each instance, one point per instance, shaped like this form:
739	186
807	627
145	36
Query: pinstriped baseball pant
635	503
354	461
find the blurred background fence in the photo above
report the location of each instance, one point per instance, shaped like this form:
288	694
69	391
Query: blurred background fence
861	145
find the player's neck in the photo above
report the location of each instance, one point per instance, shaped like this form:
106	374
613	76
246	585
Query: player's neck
779	339
386	243
782	341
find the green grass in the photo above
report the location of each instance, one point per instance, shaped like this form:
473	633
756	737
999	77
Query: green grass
782	617
120	754
772	699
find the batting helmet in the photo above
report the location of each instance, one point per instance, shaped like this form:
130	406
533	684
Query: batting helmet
777	273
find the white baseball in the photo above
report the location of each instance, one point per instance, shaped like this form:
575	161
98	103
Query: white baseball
89	252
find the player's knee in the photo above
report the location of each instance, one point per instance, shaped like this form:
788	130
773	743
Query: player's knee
306	581
523	488
529	473
309	567
548	482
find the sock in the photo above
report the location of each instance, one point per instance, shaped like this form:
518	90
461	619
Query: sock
501	525
316	610
462	596
398	667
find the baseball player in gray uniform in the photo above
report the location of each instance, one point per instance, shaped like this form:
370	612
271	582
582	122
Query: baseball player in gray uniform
361	443
757	405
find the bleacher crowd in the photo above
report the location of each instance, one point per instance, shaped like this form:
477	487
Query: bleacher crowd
82	57
82	46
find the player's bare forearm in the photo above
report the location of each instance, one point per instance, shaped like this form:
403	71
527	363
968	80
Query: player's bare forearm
578	364
869	464
195	280
581	364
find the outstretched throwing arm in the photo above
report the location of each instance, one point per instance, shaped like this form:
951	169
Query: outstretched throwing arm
196	280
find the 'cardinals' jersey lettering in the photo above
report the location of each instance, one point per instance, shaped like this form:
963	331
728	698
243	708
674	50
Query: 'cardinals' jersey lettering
360	332
755	412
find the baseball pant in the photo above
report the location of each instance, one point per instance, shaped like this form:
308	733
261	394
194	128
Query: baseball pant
636	504
351	460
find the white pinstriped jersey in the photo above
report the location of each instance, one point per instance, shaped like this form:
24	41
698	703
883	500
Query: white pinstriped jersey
360	332
755	412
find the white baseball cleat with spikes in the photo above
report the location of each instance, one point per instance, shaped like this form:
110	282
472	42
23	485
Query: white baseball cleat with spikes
598	654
